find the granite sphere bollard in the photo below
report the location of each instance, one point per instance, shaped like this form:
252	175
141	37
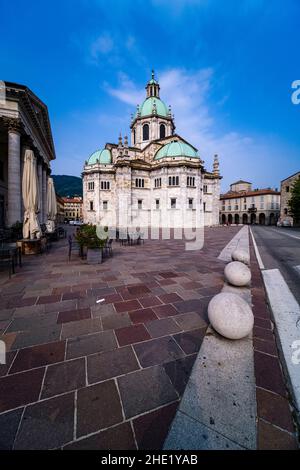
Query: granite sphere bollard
230	315
241	255
237	274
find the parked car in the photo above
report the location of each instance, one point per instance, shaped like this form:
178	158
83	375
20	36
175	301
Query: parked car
284	223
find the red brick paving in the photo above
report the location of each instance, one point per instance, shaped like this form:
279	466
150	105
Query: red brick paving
127	306
98	407
150	301
132	334
163	311
37	356
20	389
170	298
272	438
111	366
142	316
151	429
73	315
48	299
116	438
275	430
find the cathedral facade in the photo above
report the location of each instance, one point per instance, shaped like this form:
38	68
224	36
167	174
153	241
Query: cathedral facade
158	180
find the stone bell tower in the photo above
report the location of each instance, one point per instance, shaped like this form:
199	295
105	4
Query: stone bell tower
153	119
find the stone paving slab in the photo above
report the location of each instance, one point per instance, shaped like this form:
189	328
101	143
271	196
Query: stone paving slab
220	394
276	428
235	397
187	433
86	375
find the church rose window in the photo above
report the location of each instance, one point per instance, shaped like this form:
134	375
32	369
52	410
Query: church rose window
146	132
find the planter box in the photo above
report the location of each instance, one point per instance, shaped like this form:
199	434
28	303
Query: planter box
94	256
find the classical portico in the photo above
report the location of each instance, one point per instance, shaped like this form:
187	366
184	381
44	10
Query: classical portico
24	124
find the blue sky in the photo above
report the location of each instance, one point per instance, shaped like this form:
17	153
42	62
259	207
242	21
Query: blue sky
225	67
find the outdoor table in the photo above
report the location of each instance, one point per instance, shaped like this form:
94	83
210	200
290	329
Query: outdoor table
32	246
133	236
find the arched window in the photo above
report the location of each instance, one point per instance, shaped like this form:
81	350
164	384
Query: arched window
162	131
146	132
133	136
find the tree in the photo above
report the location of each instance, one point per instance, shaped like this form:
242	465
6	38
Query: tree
294	202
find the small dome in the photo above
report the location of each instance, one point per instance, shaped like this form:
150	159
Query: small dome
176	149
100	156
146	109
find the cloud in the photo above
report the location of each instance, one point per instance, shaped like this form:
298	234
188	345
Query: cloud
113	48
126	91
198	120
103	45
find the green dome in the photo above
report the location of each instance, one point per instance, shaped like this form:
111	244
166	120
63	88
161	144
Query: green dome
103	156
146	108
176	149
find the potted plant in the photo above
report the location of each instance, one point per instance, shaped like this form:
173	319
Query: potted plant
87	237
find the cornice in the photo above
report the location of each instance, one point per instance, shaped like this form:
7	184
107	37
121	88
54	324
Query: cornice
151	116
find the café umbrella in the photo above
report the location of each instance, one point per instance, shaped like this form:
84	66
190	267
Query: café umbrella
51	206
30	192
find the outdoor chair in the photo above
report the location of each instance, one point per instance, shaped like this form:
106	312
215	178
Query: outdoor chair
61	232
74	246
6	235
45	244
140	239
43	229
7	260
15	253
48	238
107	249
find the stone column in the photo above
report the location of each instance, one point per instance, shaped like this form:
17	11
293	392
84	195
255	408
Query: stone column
44	194
40	178
14	173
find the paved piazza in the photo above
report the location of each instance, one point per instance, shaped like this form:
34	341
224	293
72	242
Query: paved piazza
82	375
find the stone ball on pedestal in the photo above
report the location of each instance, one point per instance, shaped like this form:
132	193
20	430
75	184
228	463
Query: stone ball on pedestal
240	255
237	274
230	315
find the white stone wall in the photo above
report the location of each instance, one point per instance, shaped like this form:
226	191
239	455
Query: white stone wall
123	196
211	201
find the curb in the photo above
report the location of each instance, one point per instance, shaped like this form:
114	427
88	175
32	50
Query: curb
281	331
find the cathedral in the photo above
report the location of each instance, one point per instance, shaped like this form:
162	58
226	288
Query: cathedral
158	180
